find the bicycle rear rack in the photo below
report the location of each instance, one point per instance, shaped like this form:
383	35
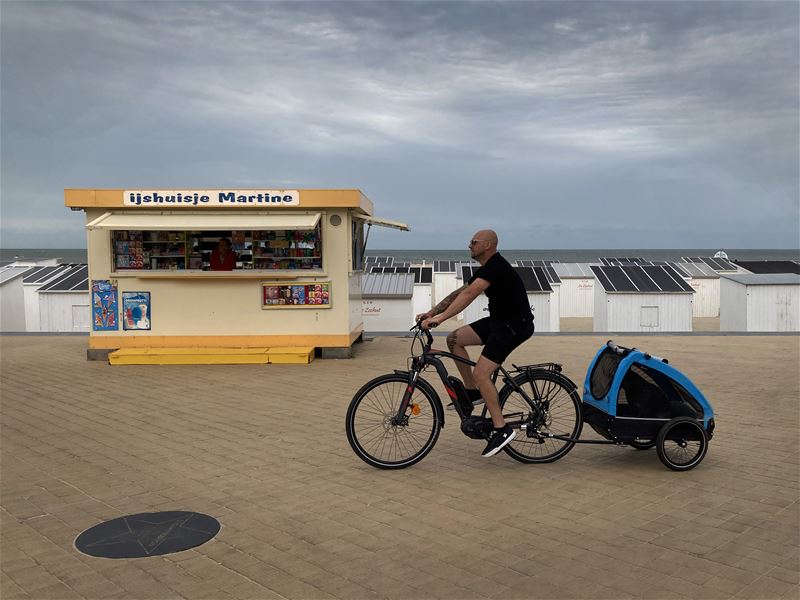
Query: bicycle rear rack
554	367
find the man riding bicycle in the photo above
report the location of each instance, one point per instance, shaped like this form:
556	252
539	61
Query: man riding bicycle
508	325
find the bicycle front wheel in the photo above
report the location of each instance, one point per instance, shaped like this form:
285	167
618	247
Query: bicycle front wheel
560	415
379	436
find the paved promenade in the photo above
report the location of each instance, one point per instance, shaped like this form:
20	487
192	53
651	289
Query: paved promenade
263	450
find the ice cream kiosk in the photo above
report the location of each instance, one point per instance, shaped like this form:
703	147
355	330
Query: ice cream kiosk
224	276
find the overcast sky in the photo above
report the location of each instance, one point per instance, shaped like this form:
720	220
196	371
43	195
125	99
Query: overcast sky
558	124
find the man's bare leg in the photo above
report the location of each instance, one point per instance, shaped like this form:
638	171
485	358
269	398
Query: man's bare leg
457	341
482	374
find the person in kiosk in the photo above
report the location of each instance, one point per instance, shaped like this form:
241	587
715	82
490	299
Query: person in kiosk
223	258
508	325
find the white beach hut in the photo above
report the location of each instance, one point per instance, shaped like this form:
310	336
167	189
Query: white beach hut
760	302
641	298
422	295
32	281
64	302
386	303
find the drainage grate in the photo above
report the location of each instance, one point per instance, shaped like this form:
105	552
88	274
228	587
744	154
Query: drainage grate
147	534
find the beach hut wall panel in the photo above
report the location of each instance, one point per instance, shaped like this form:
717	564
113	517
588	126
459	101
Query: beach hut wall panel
576	297
444	284
542	308
478	309
387	301
733	306
12	299
61	312
704	280
554	307
421	298
706	297
769	302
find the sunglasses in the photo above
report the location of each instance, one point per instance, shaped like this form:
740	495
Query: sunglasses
473	242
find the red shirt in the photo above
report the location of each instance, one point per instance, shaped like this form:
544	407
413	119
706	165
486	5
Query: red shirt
222	263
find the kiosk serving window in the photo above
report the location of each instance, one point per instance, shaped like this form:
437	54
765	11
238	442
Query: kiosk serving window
262	249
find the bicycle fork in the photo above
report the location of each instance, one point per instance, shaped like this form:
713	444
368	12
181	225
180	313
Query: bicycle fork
401	418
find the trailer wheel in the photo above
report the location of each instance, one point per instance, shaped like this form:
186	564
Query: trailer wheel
682	443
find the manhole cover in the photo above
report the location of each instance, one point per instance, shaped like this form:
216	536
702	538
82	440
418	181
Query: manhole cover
147	534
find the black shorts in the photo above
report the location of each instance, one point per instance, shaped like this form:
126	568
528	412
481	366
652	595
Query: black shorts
500	338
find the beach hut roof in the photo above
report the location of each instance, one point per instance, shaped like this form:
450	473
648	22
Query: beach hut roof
696	270
12	272
573	270
73	279
421	274
765	278
43	274
645	279
719	264
623	261
770	266
387	285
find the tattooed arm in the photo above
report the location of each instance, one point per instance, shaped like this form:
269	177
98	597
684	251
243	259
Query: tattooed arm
442	306
454	303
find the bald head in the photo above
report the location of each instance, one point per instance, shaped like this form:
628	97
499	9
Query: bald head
489	236
483	245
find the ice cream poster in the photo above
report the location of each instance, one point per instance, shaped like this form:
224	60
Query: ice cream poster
136	310
296	294
104	306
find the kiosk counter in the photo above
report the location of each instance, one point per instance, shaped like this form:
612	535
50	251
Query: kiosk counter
162	275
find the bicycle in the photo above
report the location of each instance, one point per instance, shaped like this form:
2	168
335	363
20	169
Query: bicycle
394	420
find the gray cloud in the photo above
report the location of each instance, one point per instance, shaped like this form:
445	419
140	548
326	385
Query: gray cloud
652	124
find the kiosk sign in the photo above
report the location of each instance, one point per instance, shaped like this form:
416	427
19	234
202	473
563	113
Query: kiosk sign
211	198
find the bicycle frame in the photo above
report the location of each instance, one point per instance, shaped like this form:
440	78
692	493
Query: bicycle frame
431	357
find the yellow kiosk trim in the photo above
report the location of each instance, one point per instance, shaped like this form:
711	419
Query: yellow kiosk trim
173	221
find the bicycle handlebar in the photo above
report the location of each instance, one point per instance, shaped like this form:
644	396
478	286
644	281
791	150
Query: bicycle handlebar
418	326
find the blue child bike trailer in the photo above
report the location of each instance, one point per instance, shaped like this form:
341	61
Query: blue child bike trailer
631	397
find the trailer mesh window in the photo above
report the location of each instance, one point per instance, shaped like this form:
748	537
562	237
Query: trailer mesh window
603	374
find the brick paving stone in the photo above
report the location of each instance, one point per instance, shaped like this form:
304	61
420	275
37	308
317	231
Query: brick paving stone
302	517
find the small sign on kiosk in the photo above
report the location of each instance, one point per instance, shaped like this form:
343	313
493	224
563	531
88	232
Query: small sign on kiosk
296	294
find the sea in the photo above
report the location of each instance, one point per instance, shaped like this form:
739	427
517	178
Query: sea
78	255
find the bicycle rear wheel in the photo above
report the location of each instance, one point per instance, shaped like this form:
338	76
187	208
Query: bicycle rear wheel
561	407
378	437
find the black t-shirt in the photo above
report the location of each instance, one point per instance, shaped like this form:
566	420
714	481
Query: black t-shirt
508	300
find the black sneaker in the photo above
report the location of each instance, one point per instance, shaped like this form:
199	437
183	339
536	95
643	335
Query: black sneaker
500	439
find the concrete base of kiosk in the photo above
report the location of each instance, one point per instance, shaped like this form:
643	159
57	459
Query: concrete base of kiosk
336	352
211	356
